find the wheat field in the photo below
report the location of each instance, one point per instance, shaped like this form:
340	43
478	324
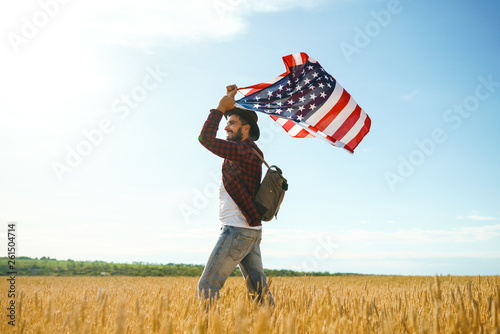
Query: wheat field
339	304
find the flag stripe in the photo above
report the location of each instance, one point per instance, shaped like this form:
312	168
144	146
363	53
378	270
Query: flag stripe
290	61
330	116
355	129
288	125
299	132
364	130
294	129
341	118
346	124
307	131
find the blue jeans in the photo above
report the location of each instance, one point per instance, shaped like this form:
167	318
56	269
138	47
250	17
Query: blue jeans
236	246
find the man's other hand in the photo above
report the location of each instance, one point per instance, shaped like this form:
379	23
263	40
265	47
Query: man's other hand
231	90
227	101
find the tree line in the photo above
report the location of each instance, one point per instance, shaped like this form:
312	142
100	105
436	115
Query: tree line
45	266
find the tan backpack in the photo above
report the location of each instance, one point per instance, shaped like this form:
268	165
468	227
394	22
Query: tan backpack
271	191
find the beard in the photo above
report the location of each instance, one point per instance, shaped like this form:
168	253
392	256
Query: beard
238	136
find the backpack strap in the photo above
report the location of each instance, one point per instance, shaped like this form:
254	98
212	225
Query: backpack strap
260	157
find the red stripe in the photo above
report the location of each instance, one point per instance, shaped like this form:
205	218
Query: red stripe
288	125
305	57
337	108
312	128
255	88
302	134
331	139
348	124
289	62
350	146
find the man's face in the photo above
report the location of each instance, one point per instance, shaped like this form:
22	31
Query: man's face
234	128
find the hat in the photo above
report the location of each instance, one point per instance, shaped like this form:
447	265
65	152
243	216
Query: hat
250	116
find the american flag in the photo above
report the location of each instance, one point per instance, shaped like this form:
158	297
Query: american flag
308	102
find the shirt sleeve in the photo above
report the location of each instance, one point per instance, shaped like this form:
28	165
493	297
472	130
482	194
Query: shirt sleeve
223	148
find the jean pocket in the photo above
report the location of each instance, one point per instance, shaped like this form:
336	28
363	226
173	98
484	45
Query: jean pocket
240	245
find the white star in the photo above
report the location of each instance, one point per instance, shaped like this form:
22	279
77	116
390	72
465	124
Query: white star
321	85
270	93
313	96
289	110
299	87
307	81
288	82
291	101
280	87
323	95
302	99
278	111
312	106
328	84
310	67
315	74
311	87
279	103
257	98
256	106
300	118
279	96
301	108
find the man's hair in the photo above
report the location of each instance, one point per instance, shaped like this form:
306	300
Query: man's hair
243	120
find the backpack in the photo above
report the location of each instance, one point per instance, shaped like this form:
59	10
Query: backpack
271	191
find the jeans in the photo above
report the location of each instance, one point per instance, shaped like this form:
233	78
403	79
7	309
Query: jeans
236	246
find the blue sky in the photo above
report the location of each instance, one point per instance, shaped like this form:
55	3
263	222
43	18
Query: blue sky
101	106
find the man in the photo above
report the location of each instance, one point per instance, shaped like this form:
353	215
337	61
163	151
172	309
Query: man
239	241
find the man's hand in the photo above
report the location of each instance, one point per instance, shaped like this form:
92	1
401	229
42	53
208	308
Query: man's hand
227	101
231	90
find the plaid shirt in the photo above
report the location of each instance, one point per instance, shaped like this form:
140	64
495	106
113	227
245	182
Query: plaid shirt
241	169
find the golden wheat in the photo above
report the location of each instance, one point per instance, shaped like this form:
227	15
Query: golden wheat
344	304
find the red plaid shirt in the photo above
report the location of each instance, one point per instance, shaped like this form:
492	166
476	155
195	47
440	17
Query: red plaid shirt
242	176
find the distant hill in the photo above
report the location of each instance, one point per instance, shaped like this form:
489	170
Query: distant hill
45	266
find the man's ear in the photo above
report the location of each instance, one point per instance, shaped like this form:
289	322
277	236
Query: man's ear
247	128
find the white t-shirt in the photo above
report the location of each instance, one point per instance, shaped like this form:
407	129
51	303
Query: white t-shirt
229	213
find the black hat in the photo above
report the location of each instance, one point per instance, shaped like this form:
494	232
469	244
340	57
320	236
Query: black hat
250	116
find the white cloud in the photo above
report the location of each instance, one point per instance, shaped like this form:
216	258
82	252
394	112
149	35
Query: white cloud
464	234
477	218
175	22
278	5
139	23
405	255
